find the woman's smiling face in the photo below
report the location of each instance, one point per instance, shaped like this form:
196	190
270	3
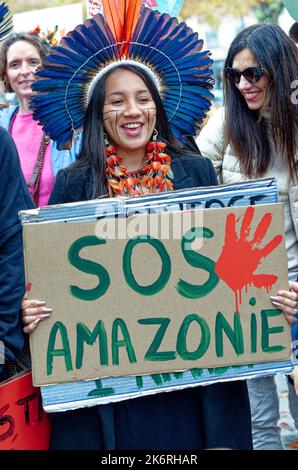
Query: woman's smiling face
255	94
129	111
22	61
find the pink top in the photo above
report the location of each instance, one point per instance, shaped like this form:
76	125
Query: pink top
27	135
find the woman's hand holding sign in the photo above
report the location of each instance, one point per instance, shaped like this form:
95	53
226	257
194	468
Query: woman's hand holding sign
33	311
286	300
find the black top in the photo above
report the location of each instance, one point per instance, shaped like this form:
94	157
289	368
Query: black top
72	185
14	196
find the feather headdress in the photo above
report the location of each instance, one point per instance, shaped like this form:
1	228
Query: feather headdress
6	25
127	31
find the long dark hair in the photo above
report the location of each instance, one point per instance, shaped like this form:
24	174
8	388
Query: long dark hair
246	130
92	156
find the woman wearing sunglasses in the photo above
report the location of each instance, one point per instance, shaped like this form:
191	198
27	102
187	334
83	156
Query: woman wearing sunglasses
254	136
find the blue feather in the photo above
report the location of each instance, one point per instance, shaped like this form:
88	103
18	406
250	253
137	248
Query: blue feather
169	48
6	24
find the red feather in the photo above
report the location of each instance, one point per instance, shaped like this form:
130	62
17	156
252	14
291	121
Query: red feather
112	17
132	16
122	9
122	17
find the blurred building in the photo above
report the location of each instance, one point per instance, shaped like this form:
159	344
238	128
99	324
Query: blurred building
66	17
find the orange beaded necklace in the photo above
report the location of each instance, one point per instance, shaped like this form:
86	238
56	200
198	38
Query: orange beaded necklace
155	176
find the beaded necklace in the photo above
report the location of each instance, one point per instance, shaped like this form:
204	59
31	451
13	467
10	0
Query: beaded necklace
155	176
34	181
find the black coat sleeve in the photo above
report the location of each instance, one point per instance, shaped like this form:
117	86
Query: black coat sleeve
212	174
201	170
14	196
59	193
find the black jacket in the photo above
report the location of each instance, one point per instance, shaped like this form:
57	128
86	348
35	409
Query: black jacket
189	172
14	196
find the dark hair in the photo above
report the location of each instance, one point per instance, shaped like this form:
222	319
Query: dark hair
293	32
246	130
92	156
40	44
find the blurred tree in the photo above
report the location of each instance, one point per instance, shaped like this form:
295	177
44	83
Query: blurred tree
268	11
211	11
17	6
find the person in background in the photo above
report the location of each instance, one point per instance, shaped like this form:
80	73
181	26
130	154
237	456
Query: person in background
253	136
21	54
14	196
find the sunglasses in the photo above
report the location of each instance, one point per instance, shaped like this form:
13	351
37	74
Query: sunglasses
251	74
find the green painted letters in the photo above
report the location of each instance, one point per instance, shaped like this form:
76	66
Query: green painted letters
89	267
197	260
266	331
253	332
165	274
65	351
125	342
235	336
152	354
85	335
100	391
182	334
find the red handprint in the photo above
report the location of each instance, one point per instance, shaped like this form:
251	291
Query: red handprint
241	257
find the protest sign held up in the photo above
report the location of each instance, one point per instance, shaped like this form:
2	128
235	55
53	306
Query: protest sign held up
23	423
154	304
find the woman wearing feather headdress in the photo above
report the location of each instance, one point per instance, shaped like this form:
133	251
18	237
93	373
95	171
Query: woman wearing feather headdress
20	56
254	136
136	94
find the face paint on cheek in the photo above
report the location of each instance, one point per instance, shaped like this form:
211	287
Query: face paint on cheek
150	110
111	111
148	120
109	116
106	116
115	124
151	114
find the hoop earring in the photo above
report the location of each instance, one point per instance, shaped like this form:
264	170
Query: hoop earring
106	140
154	135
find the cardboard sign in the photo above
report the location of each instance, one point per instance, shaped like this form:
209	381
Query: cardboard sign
154	304
85	393
23	423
